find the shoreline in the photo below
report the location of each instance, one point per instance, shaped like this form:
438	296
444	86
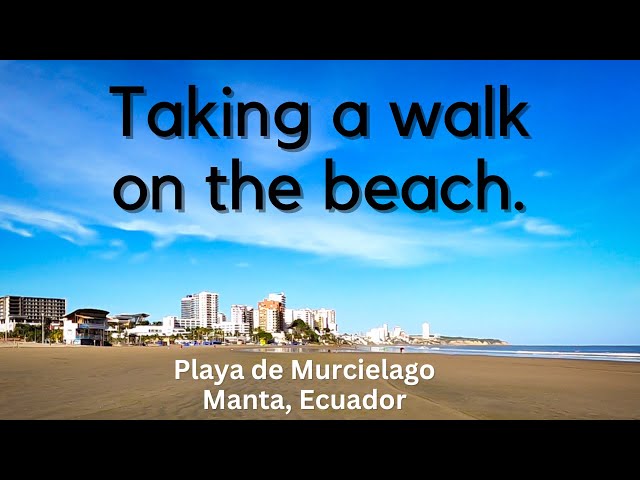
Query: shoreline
369	349
140	383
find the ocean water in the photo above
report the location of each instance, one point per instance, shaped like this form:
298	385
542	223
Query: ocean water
618	353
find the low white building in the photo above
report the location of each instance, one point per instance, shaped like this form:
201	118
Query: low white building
167	328
85	326
187	323
233	328
146	331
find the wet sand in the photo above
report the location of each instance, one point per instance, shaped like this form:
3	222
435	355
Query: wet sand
139	383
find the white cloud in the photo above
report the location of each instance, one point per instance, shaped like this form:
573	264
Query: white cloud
64	226
117	248
242	265
109	254
536	226
140	257
542	174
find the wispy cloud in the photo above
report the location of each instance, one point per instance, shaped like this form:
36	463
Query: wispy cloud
389	241
117	248
242	265
140	257
5	225
536	226
64	226
542	174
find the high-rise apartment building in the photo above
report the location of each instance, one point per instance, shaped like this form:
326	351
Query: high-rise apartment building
320	319
304	314
201	307
278	297
425	330
325	318
34	310
256	318
242	314
271	316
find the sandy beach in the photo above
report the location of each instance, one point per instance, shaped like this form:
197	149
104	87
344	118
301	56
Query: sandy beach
139	383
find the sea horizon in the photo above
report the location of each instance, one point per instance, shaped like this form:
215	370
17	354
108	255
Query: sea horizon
621	353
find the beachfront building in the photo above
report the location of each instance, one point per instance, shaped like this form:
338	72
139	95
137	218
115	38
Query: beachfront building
30	310
325	319
117	324
202	307
170	324
243	314
398	334
378	334
85	326
425	330
233	328
270	316
128	319
304	314
221	318
167	328
189	323
256	319
146	330
278	297
319	319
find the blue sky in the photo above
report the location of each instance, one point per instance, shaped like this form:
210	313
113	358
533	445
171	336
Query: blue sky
565	271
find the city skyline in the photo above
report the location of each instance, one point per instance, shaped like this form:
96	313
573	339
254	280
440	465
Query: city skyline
564	272
197	310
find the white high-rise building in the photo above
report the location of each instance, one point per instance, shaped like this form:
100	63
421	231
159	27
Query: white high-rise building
425	330
318	319
256	318
378	334
221	317
325	319
242	314
304	314
169	324
202	307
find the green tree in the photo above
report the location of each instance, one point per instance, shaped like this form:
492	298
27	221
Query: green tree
56	336
302	331
262	335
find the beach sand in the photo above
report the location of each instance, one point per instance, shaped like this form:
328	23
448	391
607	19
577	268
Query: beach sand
139	383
